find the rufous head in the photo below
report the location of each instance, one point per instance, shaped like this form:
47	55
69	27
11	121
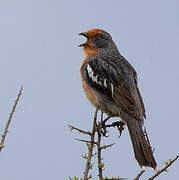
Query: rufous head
96	38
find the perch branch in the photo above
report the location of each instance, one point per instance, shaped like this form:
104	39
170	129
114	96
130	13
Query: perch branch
90	149
100	167
139	175
80	130
86	141
107	146
164	168
9	119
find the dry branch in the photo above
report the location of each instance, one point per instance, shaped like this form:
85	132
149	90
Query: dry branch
164	168
139	175
9	119
107	146
100	128
90	149
80	130
100	167
85	141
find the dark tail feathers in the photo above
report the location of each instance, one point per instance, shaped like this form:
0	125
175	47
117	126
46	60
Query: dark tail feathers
142	150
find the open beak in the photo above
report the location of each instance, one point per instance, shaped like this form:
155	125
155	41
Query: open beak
85	35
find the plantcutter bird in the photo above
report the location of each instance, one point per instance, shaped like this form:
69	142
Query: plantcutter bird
110	84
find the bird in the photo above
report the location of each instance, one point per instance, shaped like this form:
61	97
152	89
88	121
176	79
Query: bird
110	84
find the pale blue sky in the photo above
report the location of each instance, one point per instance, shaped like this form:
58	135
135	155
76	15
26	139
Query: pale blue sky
38	48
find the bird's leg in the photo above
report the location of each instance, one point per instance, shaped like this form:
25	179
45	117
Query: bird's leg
120	127
119	124
103	125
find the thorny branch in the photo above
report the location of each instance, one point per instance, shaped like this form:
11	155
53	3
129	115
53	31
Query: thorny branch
100	166
164	168
107	146
139	175
100	128
159	171
80	130
9	119
90	149
86	141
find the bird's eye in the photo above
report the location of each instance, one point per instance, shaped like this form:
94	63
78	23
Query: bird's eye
101	43
100	36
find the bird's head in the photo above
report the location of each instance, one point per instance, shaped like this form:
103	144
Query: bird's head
96	39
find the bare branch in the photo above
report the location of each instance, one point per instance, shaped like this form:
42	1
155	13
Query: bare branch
139	175
107	146
164	168
9	119
80	130
100	166
90	143
86	141
90	149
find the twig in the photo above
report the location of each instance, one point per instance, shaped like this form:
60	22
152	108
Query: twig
86	141
164	168
107	146
100	167
80	130
139	175
90	149
9	119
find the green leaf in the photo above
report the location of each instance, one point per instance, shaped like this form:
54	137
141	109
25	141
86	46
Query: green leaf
91	166
102	165
84	156
90	176
71	129
166	163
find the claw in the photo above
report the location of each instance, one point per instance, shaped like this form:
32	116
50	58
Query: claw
120	128
103	128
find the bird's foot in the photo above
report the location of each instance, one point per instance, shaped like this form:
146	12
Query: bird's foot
103	126
120	126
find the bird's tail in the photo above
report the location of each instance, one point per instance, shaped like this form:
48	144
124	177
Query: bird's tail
142	149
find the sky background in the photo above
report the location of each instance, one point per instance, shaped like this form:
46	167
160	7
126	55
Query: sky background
39	49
